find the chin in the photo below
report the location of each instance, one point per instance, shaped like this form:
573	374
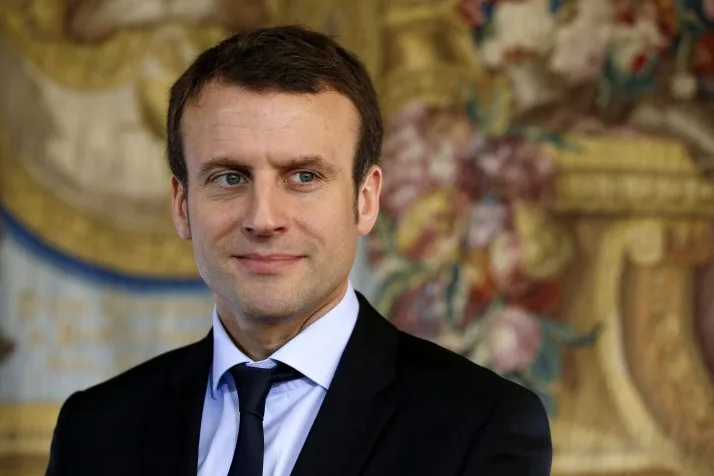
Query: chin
268	303
271	312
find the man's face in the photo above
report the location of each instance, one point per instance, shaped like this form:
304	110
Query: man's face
270	204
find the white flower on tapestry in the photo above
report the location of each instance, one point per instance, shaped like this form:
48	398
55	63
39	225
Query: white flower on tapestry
533	37
580	46
684	86
486	220
619	39
620	45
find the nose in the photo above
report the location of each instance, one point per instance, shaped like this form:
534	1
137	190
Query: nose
263	216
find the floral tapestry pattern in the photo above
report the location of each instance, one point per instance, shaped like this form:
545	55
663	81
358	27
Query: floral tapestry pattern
604	66
468	253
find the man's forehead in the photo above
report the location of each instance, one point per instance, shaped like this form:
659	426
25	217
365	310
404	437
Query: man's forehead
233	122
234	105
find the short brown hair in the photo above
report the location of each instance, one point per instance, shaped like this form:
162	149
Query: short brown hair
289	59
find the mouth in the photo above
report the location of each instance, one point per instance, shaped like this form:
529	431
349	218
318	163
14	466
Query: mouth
267	263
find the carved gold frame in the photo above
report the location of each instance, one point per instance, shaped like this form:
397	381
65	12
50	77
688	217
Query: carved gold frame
643	215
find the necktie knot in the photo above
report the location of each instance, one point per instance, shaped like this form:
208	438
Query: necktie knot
253	385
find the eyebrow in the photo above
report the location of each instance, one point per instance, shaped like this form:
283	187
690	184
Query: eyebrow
316	162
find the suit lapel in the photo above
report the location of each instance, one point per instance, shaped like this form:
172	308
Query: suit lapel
172	432
359	402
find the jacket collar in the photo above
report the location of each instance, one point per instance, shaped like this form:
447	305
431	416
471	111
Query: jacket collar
358	404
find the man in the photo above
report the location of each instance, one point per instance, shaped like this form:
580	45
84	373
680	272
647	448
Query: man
273	141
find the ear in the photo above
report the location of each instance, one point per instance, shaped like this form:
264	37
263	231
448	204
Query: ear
179	209
368	200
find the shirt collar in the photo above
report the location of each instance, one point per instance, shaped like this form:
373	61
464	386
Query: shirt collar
314	352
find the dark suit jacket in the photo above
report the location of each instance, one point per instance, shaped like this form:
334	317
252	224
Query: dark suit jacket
397	405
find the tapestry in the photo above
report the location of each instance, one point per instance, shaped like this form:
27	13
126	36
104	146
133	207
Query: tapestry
546	212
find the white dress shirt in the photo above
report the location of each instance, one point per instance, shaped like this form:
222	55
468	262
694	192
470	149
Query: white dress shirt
291	407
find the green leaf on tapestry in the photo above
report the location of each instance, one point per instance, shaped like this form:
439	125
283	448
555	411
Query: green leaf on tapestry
604	87
561	333
541	136
494	118
396	284
689	21
386	232
547	367
498	119
482	33
473	111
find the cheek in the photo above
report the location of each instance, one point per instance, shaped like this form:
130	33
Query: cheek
213	220
329	220
337	222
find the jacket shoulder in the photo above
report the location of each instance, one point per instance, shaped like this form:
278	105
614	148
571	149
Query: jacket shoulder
139	382
443	375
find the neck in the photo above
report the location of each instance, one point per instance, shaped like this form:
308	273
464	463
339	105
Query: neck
260	337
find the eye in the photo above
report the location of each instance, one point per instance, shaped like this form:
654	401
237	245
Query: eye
229	179
304	177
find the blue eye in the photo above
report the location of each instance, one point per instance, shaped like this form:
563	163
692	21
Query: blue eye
229	179
304	177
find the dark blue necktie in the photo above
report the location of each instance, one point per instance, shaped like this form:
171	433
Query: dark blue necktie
253	385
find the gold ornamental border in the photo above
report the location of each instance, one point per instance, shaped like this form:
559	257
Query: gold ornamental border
26	428
35	31
644	243
644	186
625	175
90	239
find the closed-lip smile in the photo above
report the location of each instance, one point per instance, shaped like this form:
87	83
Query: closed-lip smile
269	263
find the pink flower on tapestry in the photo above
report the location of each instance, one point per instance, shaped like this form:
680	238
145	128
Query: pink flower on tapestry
529	174
415	113
420	310
513	339
420	155
473	12
509	279
470	178
404	160
518	169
